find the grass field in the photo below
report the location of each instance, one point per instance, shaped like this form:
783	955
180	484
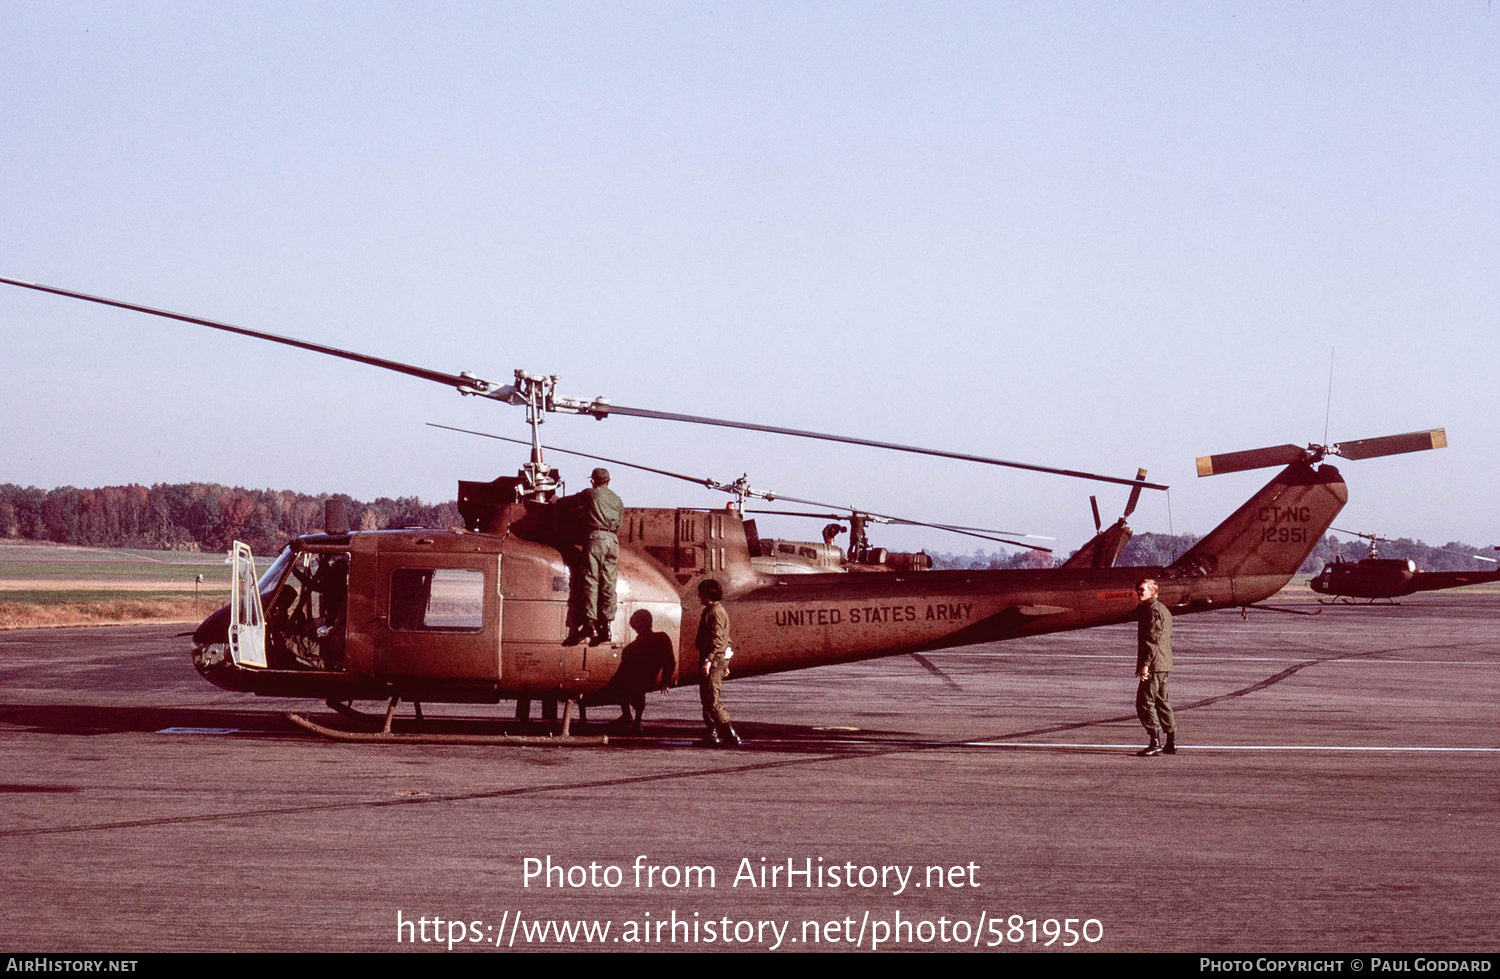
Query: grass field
56	585
30	561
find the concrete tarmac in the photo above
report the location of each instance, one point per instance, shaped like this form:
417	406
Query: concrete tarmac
1337	790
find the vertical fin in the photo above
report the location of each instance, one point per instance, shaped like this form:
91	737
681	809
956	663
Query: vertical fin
1274	531
1102	550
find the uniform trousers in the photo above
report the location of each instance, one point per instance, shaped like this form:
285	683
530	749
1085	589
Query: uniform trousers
1154	708
710	686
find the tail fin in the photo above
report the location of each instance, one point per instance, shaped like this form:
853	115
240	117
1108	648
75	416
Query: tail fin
1269	537
1103	549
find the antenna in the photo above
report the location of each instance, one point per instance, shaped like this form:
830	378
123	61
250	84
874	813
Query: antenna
1328	408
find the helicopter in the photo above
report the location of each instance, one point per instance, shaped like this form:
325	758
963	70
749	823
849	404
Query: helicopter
478	614
1376	577
780	556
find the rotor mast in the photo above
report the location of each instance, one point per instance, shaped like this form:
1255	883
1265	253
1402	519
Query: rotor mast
538	480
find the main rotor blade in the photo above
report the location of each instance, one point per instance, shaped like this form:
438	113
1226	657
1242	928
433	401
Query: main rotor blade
469	384
881	518
585	455
712	483
464	382
887	518
615	409
1389	445
1233	462
1356	533
988	530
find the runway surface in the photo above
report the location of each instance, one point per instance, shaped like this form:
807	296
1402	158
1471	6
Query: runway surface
1337	791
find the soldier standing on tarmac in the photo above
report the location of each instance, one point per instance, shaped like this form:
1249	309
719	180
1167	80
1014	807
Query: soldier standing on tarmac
713	666
1153	661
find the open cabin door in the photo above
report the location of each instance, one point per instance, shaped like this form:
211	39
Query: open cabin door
247	623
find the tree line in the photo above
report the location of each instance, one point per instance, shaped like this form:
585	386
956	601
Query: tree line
195	516
209	516
1159	550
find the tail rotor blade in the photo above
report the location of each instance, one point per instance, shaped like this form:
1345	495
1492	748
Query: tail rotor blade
1233	462
1389	445
1135	493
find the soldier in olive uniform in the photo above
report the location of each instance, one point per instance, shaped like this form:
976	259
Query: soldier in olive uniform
1153	661
713	666
594	599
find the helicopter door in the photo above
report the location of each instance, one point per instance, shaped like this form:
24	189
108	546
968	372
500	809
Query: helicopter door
442	620
247	624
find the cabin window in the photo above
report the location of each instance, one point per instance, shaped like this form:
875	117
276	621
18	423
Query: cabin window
437	600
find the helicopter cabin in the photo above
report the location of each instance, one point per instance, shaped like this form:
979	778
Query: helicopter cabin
454	615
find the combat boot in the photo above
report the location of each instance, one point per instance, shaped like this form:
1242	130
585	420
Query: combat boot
578	635
1170	748
1151	750
710	738
728	738
601	634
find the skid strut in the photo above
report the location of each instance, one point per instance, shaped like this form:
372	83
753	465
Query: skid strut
387	735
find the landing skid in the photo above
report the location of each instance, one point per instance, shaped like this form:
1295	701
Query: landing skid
417	737
1245	610
347	708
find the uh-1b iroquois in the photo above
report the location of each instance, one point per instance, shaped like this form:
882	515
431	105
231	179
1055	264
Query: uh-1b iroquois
478	615
1377	577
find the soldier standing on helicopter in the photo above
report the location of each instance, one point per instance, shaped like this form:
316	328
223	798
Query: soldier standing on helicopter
594	601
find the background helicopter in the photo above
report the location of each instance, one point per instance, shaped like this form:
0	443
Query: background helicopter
1376	577
780	556
478	615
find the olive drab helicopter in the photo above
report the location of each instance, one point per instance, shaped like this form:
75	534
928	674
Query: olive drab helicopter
795	556
1375	577
478	614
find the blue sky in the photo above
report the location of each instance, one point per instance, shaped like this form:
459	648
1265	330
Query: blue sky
1088	235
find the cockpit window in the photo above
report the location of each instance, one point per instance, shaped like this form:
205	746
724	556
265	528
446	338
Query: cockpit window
272	576
307	615
437	600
